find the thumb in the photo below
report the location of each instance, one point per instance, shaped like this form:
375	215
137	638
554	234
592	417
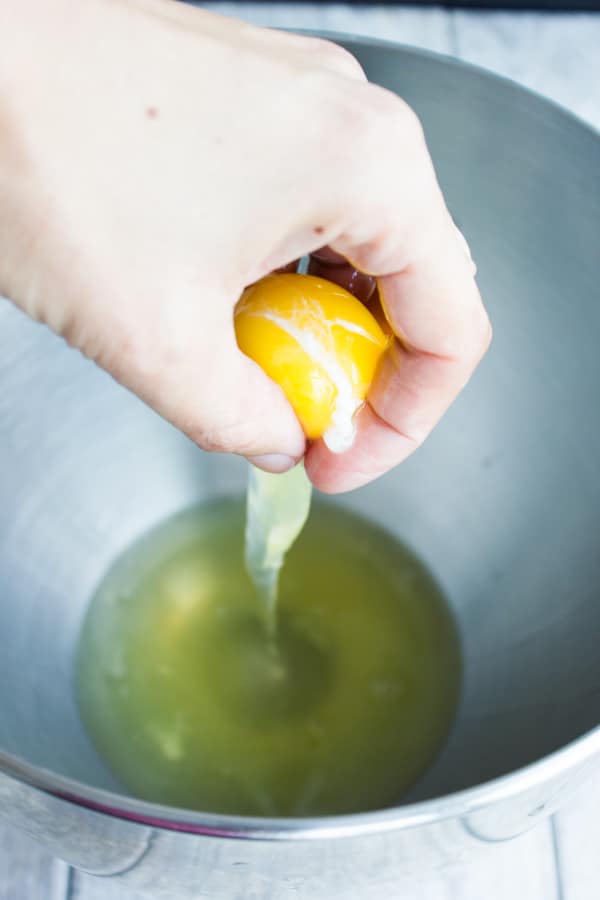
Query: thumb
253	418
219	397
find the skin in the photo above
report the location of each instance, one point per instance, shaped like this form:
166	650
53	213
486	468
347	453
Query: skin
155	159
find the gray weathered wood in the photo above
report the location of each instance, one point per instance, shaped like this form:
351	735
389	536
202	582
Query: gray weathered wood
557	55
578	843
520	868
87	887
26	871
523	868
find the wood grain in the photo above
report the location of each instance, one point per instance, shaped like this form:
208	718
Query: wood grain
557	55
520	868
26	871
578	843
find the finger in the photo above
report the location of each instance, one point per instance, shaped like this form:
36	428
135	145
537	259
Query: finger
431	301
213	393
324	53
377	448
412	389
240	411
337	59
327	264
410	394
258	423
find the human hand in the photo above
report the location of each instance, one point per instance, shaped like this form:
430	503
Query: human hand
156	159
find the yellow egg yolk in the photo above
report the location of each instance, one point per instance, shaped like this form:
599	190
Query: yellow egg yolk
318	343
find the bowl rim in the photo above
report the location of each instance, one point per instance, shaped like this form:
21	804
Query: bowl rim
458	804
573	755
454	62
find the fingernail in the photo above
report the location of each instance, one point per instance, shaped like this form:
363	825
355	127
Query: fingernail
272	462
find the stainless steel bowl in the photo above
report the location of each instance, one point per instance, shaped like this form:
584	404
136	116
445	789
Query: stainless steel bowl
503	503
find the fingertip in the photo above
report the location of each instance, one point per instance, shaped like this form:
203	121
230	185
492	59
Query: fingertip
325	477
274	438
377	448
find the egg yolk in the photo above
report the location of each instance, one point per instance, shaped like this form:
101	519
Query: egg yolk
318	343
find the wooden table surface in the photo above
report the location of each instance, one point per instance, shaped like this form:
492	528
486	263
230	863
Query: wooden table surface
559	56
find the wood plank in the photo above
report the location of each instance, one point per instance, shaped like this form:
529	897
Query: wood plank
578	842
521	868
26	871
525	867
87	887
555	55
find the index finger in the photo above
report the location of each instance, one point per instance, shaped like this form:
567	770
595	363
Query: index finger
428	291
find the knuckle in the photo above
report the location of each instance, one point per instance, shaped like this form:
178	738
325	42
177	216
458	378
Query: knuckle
386	129
486	334
224	435
409	125
389	117
338	59
480	336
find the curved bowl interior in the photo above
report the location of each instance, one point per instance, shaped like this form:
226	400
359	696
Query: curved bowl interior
503	502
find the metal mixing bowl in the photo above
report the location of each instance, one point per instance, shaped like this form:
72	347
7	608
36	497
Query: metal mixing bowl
503	503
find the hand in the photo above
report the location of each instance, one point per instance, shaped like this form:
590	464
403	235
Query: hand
155	159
